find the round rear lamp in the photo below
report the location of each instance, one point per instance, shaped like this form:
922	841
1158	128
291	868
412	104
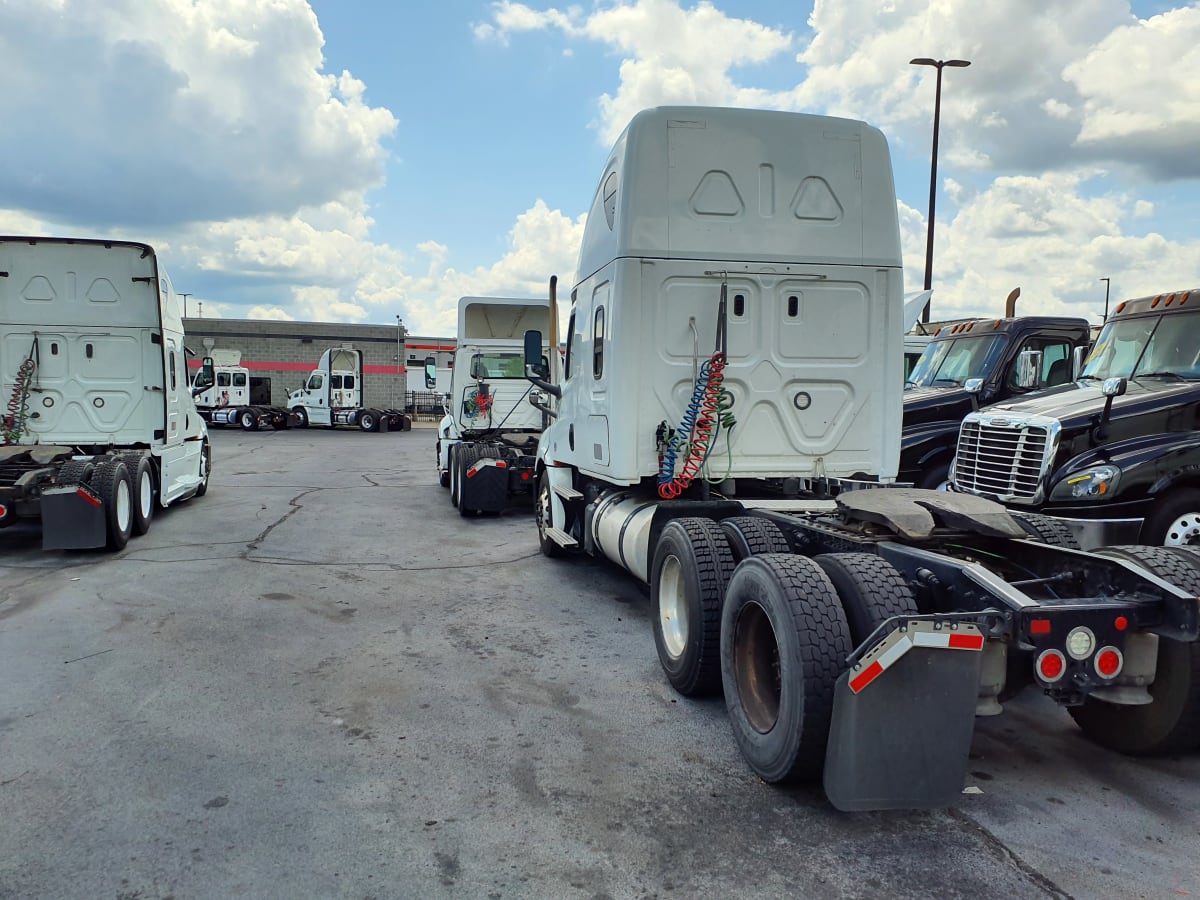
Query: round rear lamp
1051	666
1081	642
1109	662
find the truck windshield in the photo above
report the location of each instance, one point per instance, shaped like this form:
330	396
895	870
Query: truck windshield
498	365
1166	346
954	361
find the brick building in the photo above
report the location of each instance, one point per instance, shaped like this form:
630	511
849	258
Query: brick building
287	351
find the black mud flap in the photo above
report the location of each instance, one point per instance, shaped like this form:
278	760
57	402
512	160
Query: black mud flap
484	486
72	518
903	718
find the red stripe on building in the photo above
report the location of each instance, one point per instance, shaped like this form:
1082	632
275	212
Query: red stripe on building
268	366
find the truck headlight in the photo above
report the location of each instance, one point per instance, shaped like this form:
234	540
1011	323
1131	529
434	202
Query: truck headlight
1089	484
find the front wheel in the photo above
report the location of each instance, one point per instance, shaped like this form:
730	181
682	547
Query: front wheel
205	469
544	514
301	417
1175	521
691	569
936	478
784	642
1170	723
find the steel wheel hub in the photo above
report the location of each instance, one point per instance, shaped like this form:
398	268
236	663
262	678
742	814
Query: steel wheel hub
672	608
1184	531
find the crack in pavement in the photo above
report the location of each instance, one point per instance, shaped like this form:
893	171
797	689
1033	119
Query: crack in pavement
1007	853
296	506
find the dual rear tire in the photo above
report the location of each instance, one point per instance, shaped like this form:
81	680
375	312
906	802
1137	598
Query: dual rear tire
773	632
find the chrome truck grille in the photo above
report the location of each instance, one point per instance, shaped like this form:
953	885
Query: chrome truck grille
1005	458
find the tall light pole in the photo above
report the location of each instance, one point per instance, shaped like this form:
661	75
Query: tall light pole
938	64
1107	285
184	296
398	354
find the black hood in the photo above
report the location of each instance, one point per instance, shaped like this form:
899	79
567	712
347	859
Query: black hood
1075	405
935	404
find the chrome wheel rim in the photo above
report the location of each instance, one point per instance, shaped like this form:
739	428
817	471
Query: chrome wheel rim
672	608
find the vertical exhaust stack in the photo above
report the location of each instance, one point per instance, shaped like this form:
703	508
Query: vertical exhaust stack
1010	304
552	331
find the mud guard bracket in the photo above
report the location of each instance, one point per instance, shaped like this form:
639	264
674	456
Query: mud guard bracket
903	719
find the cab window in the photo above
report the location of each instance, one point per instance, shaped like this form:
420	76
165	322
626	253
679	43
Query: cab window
598	343
569	365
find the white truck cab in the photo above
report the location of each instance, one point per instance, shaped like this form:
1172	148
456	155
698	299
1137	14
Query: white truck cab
792	220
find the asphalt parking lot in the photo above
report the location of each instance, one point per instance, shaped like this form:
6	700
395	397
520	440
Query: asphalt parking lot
320	681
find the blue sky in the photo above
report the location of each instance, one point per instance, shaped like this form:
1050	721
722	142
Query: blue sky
351	161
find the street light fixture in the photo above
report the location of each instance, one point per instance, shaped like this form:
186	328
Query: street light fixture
184	296
938	64
1107	285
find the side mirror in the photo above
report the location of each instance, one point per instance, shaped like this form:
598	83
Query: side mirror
973	385
205	378
1078	355
537	366
1114	387
1029	369
430	373
533	354
478	370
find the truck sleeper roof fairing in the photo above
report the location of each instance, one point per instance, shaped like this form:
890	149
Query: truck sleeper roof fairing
500	320
103	317
794	218
826	197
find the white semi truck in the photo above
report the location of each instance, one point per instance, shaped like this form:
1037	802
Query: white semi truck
236	397
725	429
99	427
332	395
488	437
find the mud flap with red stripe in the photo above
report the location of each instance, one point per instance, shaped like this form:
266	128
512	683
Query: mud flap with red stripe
72	518
484	486
903	718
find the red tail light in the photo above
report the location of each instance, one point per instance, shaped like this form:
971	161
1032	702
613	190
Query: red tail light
1109	662
1051	665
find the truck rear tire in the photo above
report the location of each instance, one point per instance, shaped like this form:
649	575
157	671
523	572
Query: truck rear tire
367	420
142	479
1171	723
751	536
1047	530
112	484
248	419
1175	521
452	472
871	589
462	460
784	643
76	471
691	569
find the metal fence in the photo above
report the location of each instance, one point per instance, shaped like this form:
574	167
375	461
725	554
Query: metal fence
425	406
